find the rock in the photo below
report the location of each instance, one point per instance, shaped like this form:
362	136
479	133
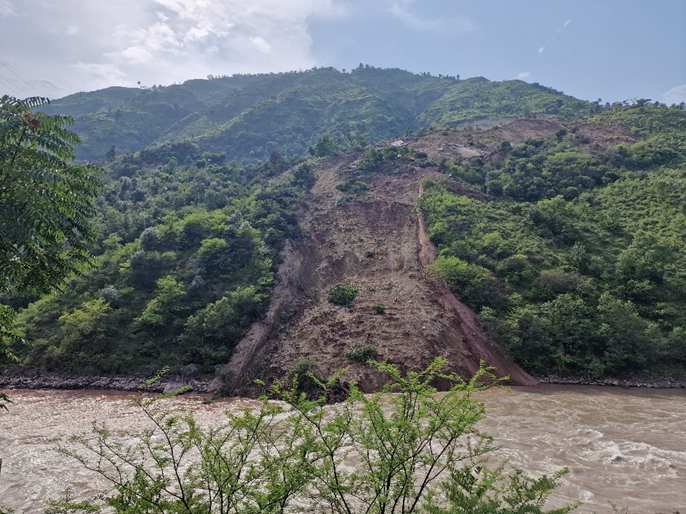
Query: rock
190	371
173	386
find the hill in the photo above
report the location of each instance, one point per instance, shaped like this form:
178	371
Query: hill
565	237
246	117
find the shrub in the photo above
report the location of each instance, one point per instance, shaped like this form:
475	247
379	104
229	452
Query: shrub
471	283
303	376
371	160
341	294
300	455
379	309
362	354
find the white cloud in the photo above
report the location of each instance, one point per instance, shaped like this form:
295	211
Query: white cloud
676	95
157	41
523	75
261	44
103	74
542	49
7	9
402	9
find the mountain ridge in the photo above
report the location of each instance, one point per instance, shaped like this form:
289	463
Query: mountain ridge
246	117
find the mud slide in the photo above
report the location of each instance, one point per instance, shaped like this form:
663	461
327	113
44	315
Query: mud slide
378	243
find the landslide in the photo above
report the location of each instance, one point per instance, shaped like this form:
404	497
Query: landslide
378	243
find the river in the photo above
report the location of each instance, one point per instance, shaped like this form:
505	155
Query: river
627	446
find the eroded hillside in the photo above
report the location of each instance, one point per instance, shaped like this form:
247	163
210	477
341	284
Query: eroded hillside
376	242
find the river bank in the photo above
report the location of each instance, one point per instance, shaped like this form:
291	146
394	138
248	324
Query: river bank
188	376
652	383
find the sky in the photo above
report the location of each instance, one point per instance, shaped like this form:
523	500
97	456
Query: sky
612	50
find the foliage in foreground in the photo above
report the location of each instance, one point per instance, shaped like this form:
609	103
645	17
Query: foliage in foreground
411	451
46	205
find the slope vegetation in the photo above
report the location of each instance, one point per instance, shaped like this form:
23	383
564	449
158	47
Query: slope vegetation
246	117
565	237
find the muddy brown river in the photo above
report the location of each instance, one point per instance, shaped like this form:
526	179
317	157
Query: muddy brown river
627	446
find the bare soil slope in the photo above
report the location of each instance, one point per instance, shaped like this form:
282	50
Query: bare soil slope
378	244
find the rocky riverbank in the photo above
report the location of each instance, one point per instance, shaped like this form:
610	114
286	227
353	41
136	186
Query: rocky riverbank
662	383
187	376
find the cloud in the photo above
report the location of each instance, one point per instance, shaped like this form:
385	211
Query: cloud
402	10
261	44
676	95
523	75
542	49
157	41
7	9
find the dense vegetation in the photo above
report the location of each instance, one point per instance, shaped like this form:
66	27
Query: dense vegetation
46	205
187	250
577	260
246	117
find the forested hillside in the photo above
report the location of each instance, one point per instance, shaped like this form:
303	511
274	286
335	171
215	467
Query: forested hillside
573	247
186	257
566	236
246	117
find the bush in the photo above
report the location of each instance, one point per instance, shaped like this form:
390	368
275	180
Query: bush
471	283
341	294
299	456
362	354
303	376
371	160
379	309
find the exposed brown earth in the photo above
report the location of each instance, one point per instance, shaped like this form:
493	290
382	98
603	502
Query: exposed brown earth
468	143
378	244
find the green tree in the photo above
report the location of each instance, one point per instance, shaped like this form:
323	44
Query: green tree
45	204
471	283
166	307
325	146
84	336
211	333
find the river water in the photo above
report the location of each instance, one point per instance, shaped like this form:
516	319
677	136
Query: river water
627	446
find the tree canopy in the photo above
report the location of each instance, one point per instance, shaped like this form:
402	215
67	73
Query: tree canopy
45	202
